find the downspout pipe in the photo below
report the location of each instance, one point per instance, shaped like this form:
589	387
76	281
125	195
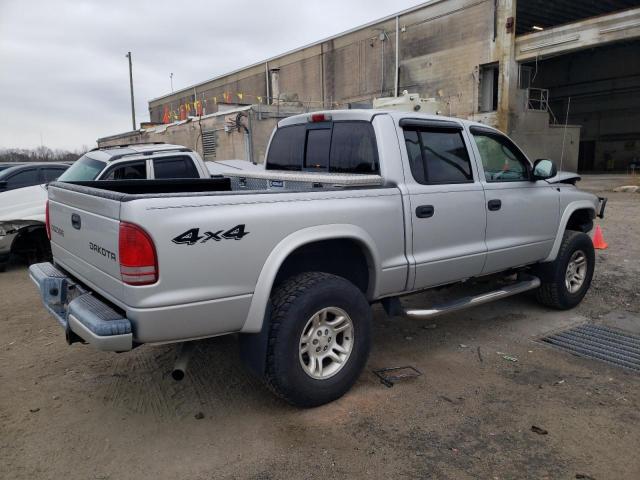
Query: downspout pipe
397	80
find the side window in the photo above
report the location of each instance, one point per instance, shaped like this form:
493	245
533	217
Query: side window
174	167
502	161
51	174
127	171
438	156
23	179
287	148
353	148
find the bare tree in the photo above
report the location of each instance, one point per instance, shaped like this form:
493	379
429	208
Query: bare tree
40	154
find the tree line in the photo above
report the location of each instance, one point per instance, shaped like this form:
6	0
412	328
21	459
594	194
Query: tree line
40	154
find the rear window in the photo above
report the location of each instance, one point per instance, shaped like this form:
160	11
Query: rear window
287	148
83	170
174	167
337	147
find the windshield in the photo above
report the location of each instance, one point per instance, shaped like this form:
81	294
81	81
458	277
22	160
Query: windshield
83	170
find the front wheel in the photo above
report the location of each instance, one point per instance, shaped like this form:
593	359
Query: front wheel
566	280
319	340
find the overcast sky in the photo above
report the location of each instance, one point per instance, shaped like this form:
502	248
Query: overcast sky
64	75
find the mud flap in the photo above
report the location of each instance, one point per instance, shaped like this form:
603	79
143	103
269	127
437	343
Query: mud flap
253	347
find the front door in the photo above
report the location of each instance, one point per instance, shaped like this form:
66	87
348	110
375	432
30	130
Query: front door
522	216
447	204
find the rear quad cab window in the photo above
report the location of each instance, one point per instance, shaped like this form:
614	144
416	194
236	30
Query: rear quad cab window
438	156
501	160
336	147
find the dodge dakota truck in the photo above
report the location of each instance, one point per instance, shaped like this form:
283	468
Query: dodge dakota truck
352	208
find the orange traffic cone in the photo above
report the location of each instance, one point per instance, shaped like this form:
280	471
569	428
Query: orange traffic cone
598	239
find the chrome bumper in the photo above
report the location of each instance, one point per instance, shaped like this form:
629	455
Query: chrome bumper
80	313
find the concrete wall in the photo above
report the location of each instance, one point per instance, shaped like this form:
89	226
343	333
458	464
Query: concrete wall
441	45
234	143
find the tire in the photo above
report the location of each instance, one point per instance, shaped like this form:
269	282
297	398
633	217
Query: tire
554	291
295	304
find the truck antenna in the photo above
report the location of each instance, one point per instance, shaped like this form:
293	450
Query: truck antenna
564	132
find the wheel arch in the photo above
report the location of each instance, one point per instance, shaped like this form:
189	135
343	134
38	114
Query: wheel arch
297	240
573	216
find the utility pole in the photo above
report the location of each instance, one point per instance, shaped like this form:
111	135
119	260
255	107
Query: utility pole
171	77
133	108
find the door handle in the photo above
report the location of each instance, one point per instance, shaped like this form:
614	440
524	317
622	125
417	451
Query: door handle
425	211
76	222
494	205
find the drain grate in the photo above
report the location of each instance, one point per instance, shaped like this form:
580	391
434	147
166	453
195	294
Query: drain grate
600	342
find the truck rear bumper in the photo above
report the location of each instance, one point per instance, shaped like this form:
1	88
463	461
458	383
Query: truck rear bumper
79	312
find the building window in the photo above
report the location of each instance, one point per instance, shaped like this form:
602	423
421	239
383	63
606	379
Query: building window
488	88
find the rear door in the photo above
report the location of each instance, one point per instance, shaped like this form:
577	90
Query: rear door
522	216
447	203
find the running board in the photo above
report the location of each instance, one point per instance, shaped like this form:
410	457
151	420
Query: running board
527	283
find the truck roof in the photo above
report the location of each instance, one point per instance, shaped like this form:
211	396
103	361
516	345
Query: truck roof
368	114
115	152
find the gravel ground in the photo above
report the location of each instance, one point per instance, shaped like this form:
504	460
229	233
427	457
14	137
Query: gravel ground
74	413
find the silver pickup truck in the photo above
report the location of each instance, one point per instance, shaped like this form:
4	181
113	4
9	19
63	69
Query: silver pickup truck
352	208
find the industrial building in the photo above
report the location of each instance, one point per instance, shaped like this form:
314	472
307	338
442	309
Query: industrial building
562	78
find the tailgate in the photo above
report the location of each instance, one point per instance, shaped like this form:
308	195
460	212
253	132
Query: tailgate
84	235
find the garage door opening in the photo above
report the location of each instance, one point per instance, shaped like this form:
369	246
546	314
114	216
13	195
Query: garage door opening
599	88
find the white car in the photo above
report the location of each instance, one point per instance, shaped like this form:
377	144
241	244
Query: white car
22	211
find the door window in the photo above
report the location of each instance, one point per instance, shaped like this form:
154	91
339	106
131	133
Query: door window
501	159
175	167
127	171
23	179
353	148
438	156
51	174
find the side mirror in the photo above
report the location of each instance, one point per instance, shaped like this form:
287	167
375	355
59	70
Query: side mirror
544	169
3	185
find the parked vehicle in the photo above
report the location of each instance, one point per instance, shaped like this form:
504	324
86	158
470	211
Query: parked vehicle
22	175
353	207
5	165
22	211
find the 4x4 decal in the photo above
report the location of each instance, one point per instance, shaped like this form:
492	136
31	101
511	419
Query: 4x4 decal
192	236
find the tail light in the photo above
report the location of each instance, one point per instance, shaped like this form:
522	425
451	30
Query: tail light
138	260
46	220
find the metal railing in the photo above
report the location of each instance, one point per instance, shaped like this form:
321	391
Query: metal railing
538	100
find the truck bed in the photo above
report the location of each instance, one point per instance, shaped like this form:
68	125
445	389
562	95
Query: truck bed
241	181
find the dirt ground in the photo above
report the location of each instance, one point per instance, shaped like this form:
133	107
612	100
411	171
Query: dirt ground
75	413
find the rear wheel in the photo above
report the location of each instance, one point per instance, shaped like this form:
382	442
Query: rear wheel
319	338
566	280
